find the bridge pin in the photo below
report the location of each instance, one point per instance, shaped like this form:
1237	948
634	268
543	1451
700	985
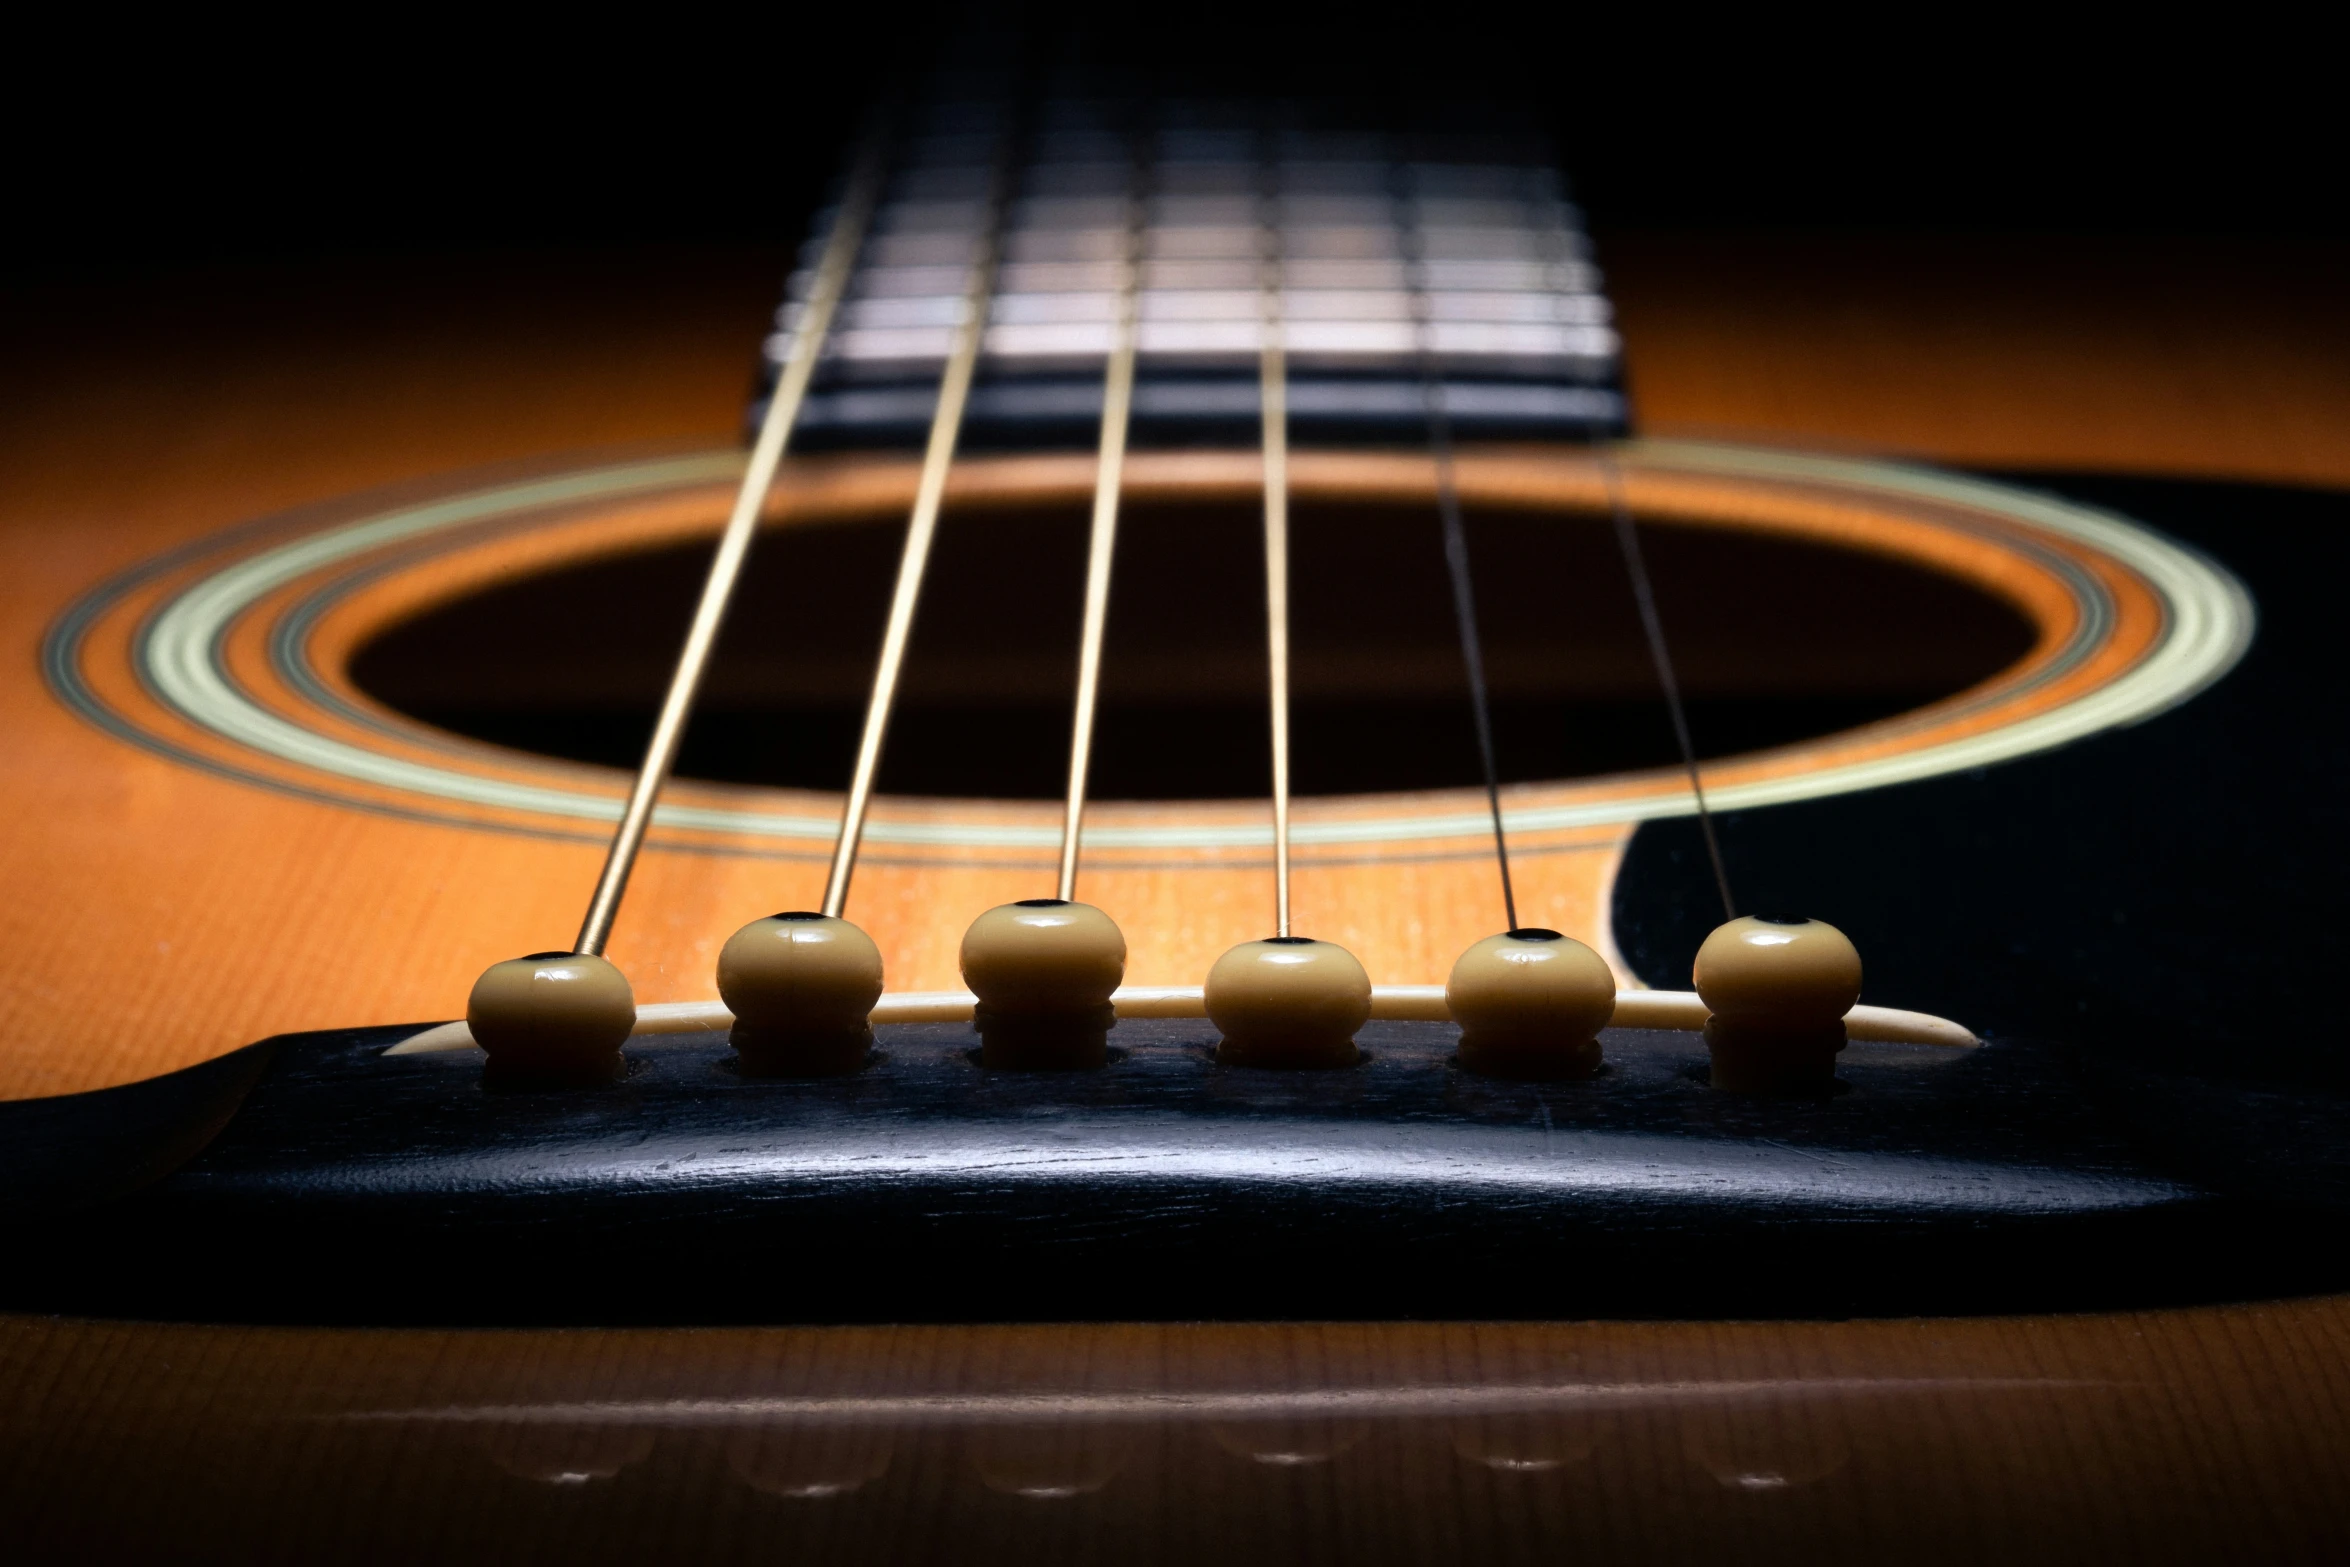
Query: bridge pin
1778	986
1043	970
1288	1002
551	1020
801	987
1531	1003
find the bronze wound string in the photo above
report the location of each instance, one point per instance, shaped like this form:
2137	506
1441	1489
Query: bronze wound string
734	543
1653	628
938	458
1456	547
1273	402
1102	542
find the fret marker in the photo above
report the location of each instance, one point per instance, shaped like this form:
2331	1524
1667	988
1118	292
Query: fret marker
1778	987
1531	1003
1043	970
1289	1002
801	987
551	1020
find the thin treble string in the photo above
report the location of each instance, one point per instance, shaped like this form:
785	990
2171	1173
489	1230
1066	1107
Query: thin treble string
1644	595
1456	554
1273	395
726	563
1117	408
946	424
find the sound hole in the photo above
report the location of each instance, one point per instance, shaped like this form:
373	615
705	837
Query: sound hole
1776	641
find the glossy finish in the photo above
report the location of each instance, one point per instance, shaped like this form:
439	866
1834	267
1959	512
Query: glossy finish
356	1187
1042	971
1287	1002
1043	955
1778	972
1530	1003
173	913
167	915
2153	1438
2126	624
801	986
552	1017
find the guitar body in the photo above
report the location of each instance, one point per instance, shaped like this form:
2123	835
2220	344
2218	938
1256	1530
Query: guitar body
2123	887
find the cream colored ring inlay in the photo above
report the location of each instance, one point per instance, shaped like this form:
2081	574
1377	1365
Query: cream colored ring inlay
2207	621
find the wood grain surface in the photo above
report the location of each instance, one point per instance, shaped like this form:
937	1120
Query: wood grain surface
2208	1436
2189	358
167	916
147	413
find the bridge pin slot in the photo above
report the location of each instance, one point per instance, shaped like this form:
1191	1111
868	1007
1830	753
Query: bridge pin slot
1289	1003
801	987
1778	986
1530	1003
551	1020
1043	970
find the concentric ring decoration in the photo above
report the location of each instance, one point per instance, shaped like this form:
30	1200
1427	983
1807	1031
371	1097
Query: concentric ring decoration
228	654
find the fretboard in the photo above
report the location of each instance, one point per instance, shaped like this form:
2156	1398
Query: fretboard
1404	276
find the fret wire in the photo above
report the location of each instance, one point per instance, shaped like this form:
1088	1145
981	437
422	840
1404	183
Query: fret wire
1117	408
734	543
946	424
1272	390
1456	550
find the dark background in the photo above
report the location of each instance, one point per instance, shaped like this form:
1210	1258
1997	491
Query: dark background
2165	894
179	146
200	140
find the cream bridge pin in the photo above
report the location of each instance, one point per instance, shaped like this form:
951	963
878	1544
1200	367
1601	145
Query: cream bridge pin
1374	1050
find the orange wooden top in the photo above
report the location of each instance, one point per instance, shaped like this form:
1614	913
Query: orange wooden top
151	413
161	915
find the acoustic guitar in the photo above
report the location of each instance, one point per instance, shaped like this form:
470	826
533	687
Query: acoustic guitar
1365	961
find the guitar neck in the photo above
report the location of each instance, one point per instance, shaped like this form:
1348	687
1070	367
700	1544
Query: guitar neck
1399	275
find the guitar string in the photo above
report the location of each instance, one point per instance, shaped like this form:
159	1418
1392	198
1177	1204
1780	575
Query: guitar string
1117	410
1273	401
1644	595
734	543
1456	546
946	424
